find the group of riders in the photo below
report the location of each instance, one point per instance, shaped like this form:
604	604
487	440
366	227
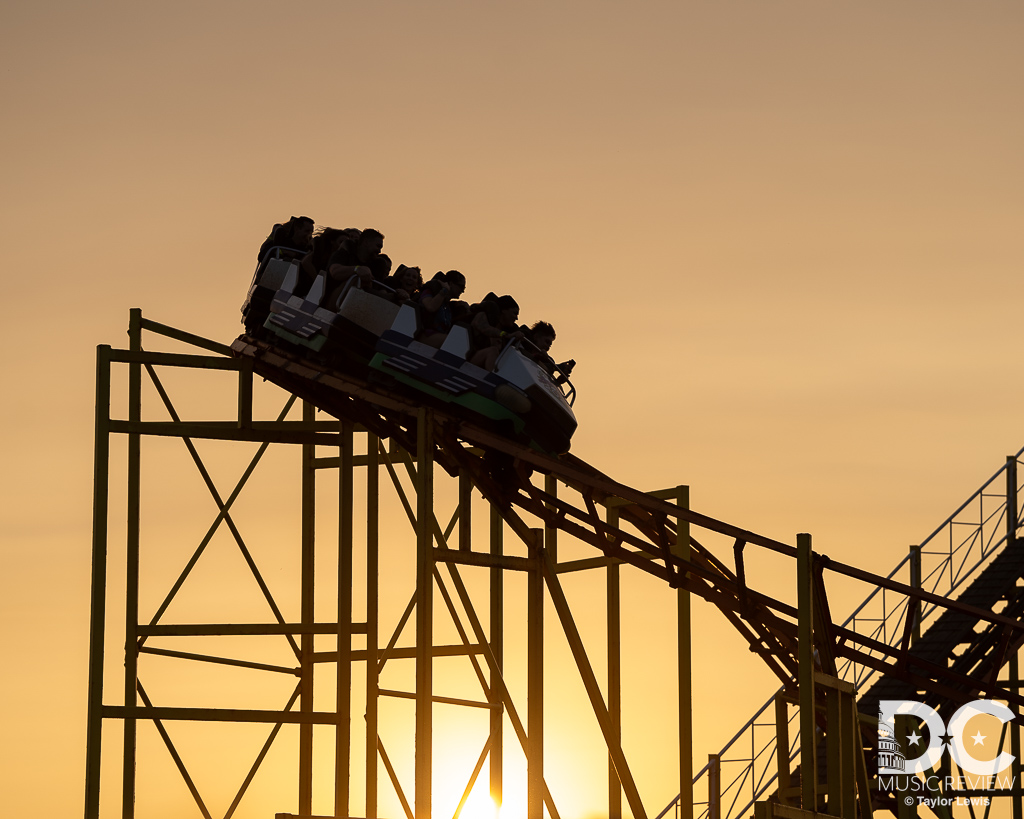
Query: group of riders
353	257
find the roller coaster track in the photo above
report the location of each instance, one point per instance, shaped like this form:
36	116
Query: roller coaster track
972	557
941	635
501	469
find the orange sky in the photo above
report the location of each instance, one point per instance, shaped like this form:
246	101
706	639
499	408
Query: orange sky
783	241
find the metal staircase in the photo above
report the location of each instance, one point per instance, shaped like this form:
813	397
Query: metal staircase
966	558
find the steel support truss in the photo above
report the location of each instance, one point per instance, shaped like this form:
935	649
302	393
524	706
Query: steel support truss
447	547
383	439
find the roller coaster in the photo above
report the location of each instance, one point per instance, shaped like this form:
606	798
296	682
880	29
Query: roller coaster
367	331
944	636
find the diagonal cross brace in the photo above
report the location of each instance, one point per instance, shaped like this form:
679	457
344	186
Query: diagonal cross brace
223	514
593	688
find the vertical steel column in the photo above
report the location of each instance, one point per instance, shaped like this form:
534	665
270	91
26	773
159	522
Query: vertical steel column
1014	729
1012	517
860	763
551	532
98	602
131	613
465	512
714	786
245	374
343	735
782	747
372	614
903	810
836	781
424	609
682	549
307	613
497	641
590	683
805	673
535	680
851	748
614	675
914	605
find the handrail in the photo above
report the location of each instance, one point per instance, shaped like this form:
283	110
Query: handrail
989	546
517	343
938	529
563	374
180	335
279	250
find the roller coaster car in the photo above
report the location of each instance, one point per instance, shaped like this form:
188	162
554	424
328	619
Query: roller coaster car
354	330
267	281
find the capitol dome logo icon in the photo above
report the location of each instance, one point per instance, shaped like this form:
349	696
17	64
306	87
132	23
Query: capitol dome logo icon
890	755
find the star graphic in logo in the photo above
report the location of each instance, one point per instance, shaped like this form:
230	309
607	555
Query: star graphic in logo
978	739
913	738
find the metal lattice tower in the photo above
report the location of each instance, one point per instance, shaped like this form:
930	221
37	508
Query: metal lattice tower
442	475
446	547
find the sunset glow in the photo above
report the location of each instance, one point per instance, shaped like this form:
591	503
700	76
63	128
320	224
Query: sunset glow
782	241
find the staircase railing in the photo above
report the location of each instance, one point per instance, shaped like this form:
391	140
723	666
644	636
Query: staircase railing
944	561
